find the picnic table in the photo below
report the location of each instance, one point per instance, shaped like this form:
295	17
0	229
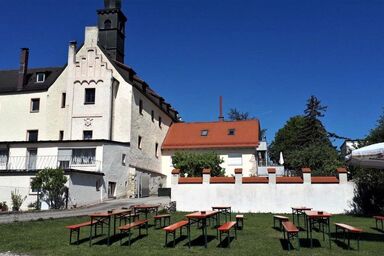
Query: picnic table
323	218
197	217
225	210
297	211
105	218
146	208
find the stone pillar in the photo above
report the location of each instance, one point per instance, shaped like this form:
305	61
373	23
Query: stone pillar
271	175
306	175
206	175
238	176
342	174
175	177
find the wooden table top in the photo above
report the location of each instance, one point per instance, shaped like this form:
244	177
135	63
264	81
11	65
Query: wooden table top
200	215
317	214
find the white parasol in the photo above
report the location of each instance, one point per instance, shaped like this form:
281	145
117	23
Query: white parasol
281	160
371	156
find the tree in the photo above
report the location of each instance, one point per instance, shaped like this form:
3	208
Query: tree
376	135
236	115
305	143
193	163
51	184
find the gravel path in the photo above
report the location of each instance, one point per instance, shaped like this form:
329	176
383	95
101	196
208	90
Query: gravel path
117	203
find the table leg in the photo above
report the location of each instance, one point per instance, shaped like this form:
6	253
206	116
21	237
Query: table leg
293	216
114	224
310	232
230	214
109	229
90	233
329	232
205	231
298	219
189	233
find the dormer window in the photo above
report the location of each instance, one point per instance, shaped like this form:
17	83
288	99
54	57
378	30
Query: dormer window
40	78
204	133
231	132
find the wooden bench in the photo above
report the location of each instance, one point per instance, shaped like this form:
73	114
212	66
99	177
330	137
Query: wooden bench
279	218
349	229
160	218
128	227
381	219
292	231
172	229
239	221
76	228
226	228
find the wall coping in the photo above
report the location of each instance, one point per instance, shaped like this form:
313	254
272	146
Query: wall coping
306	170
238	171
341	170
207	171
271	170
176	171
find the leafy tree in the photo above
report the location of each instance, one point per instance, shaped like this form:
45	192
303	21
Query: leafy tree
236	115
305	143
369	191
193	163
51	184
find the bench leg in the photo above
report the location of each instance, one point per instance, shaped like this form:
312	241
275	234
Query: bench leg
174	239
298	241
235	233
358	242
349	245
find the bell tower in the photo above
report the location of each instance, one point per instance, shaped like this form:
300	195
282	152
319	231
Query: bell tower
111	25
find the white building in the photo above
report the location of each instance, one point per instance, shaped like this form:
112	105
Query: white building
238	143
93	117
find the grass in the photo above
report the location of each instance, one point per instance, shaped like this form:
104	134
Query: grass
49	237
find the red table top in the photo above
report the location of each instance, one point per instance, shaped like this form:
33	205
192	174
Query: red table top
199	215
316	214
301	208
146	206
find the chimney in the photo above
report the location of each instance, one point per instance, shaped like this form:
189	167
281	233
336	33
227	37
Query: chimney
24	54
72	52
221	117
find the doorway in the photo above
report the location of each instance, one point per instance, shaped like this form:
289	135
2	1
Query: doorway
111	189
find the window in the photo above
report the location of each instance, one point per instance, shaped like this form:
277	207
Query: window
160	121
89	96
235	159
63	99
140	107
3	157
61	135
123	159
204	133
87	135
107	24
157	150
32	135
139	142
40	77
35	105
153	116
83	156
231	132
33	190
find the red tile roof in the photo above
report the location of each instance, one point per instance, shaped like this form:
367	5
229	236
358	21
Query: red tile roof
188	135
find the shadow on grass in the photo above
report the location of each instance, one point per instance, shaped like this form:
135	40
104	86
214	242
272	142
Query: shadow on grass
199	241
177	241
364	236
133	240
344	245
84	240
225	243
377	229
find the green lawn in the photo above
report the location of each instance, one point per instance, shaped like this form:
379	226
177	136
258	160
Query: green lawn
49	237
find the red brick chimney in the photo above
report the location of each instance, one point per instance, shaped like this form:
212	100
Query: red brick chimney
22	79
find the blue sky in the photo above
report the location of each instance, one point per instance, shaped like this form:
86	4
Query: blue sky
263	57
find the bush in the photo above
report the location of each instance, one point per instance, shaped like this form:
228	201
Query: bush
17	200
3	206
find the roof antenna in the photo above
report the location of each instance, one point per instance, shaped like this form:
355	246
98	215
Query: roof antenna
221	117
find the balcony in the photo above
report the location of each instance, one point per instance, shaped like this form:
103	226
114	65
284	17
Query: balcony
32	163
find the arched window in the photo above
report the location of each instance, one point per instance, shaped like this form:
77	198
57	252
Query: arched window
107	24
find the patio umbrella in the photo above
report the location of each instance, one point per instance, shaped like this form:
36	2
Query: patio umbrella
371	156
281	160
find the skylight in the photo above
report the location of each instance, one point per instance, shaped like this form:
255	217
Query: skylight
231	132
204	133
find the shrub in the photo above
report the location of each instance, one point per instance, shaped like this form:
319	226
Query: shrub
17	200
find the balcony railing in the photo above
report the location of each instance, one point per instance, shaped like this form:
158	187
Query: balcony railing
30	163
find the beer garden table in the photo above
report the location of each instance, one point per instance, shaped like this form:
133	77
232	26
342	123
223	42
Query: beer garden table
323	218
297	211
105	218
225	210
145	208
197	217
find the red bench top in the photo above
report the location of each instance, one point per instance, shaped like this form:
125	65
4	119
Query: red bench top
161	216
379	217
290	227
349	228
175	226
80	225
227	226
280	217
133	224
